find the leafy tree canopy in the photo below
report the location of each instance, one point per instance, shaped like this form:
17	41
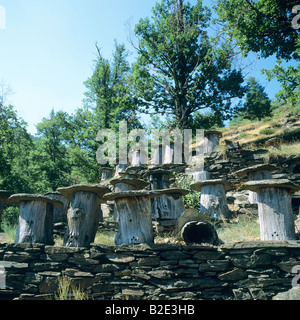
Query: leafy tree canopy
257	103
261	26
181	69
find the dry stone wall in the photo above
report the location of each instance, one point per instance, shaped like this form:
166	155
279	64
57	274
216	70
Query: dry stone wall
220	168
252	270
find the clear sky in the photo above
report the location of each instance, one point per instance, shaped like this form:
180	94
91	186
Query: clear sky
48	46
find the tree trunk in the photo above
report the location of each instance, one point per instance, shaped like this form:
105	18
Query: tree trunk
83	219
213	201
135	223
211	141
107	173
199	232
167	207
35	223
275	214
119	187
124	184
201	176
257	175
159	181
59	214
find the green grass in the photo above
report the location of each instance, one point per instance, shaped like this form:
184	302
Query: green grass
105	237
246	229
243	135
284	150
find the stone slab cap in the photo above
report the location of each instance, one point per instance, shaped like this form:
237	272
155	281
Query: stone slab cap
182	192
130	194
170	166
4	195
259	167
138	183
53	193
108	168
17	198
199	184
134	169
219	133
272	183
99	190
158	170
127	175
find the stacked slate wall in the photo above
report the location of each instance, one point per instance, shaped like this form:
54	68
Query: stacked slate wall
250	270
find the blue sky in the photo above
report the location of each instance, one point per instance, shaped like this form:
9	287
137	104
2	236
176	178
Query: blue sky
48	46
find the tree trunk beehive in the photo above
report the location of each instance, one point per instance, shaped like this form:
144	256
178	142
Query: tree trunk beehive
134	212
59	214
83	219
106	174
84	214
276	217
124	184
213	198
255	173
199	232
169	206
35	218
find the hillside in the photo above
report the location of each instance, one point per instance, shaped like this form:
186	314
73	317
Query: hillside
280	133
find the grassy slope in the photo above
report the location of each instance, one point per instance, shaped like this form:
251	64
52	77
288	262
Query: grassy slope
250	134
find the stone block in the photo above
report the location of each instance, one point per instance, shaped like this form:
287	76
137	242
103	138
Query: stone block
233	275
208	255
174	255
119	258
150	261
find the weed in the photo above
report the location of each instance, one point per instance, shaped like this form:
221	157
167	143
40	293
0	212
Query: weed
67	291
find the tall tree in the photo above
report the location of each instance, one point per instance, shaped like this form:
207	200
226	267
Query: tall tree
50	164
181	69
109	96
265	27
257	103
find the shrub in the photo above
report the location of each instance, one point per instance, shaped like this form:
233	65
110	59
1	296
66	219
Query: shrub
192	199
267	131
